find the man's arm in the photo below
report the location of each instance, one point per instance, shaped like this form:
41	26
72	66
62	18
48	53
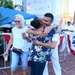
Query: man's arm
52	45
68	30
47	45
71	30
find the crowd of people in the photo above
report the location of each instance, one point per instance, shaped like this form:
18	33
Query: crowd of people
37	45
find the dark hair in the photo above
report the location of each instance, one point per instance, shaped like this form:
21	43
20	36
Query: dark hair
49	15
36	18
68	22
35	23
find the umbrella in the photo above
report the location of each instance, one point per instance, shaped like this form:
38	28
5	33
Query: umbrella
6	12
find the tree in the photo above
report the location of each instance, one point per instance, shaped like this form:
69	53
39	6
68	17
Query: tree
7	4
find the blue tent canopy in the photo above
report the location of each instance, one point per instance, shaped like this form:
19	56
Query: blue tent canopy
6	12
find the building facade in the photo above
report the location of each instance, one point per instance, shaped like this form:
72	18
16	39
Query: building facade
59	8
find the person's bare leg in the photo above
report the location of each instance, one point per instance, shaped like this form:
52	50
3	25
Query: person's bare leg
12	72
24	72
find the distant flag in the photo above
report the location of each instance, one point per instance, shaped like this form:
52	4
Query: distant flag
60	22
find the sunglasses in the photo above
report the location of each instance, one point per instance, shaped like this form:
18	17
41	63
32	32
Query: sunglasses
17	21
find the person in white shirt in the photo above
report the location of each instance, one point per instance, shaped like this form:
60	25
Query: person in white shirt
74	27
20	43
68	29
54	58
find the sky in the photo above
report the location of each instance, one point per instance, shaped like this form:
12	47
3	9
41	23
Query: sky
17	1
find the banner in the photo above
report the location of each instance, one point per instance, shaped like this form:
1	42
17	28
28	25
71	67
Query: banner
71	43
62	44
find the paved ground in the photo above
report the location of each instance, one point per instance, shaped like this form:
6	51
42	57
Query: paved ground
69	67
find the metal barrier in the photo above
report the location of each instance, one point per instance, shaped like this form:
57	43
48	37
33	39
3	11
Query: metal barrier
3	35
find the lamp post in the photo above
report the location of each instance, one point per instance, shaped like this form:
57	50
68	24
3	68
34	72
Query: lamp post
24	5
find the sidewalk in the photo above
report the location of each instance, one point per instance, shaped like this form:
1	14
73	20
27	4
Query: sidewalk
69	66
